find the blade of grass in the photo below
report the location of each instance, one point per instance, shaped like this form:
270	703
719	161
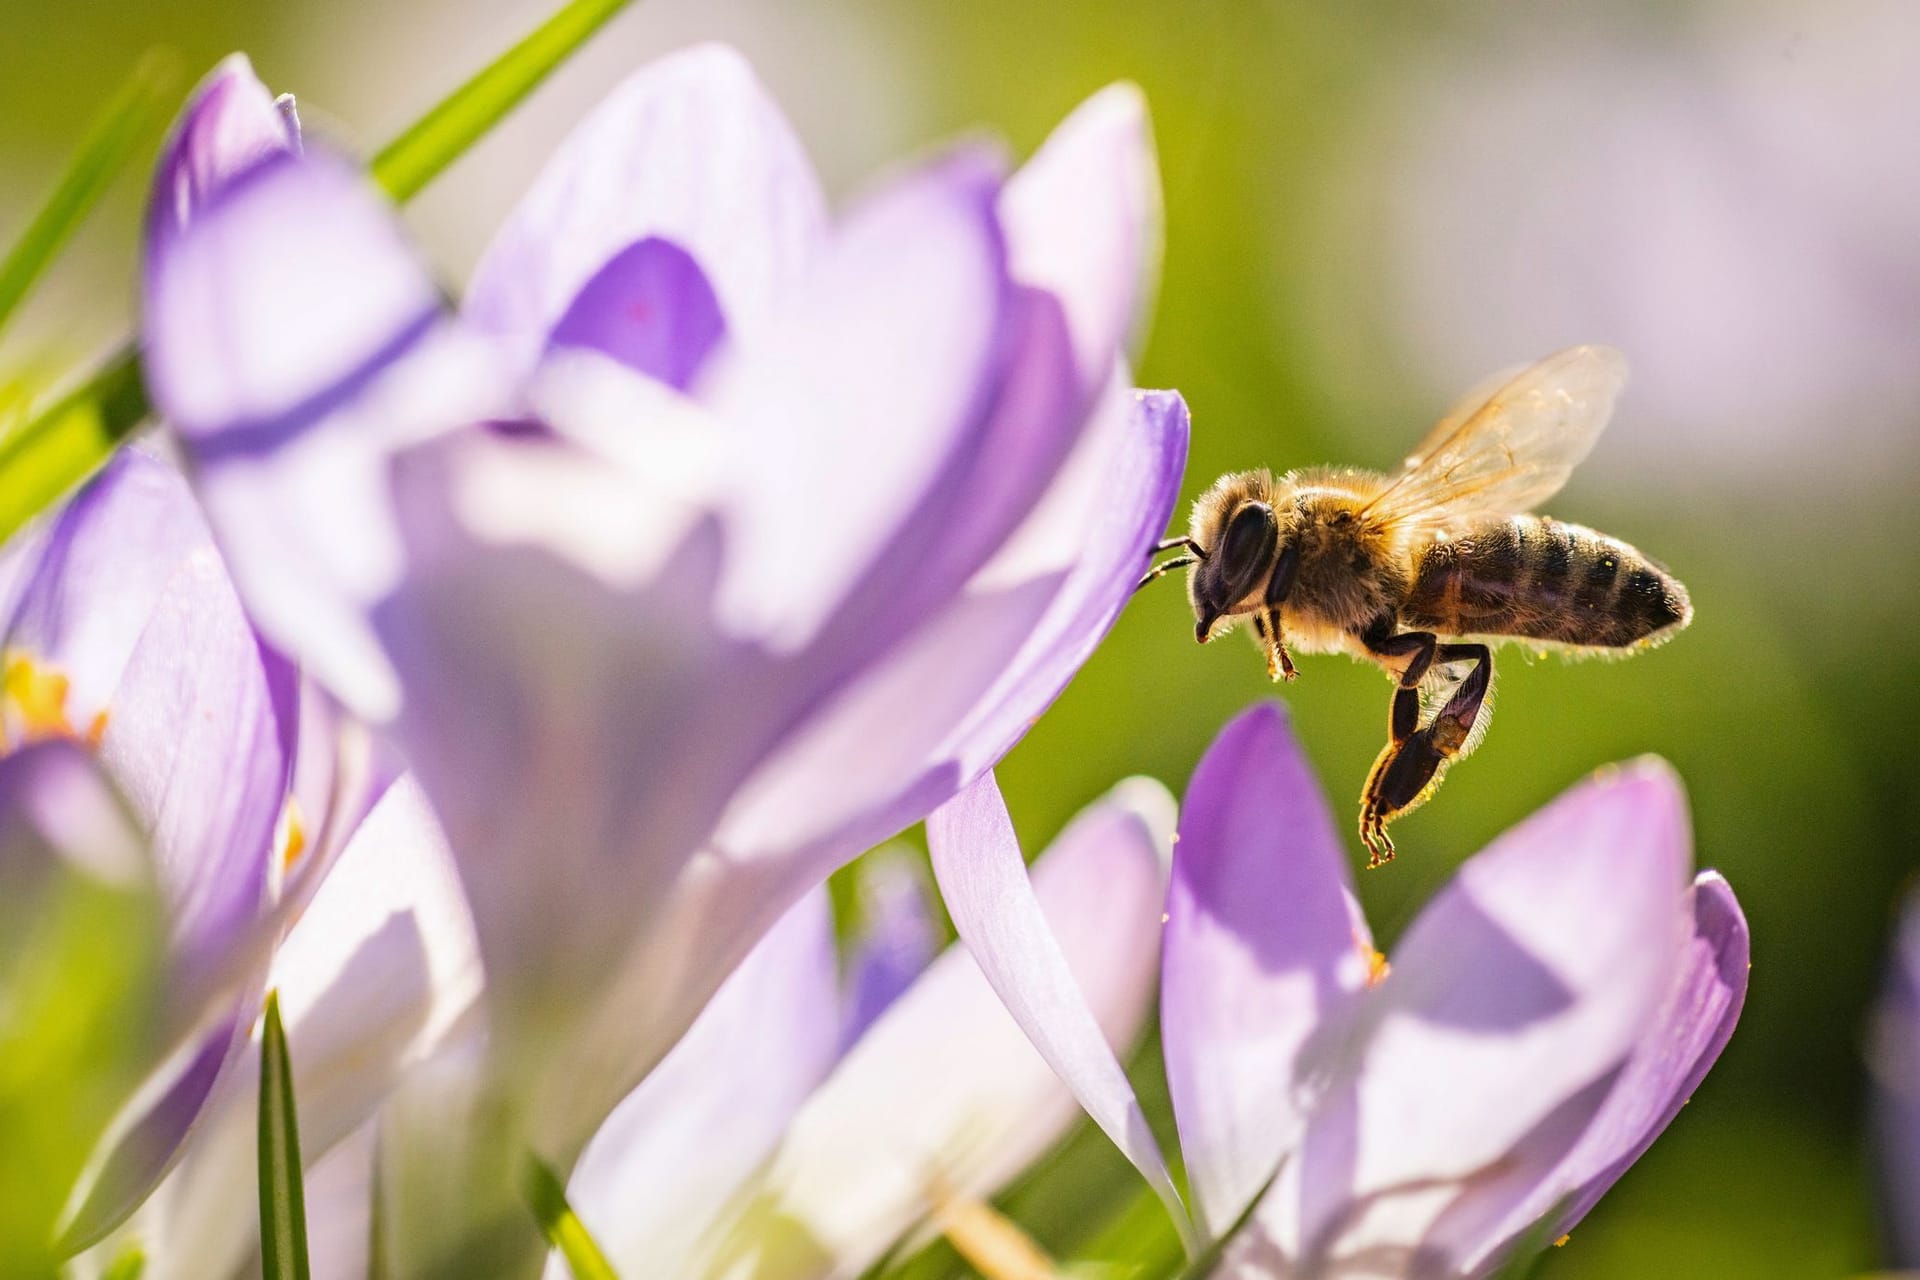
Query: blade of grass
560	1225
438	138
283	1210
55	450
129	119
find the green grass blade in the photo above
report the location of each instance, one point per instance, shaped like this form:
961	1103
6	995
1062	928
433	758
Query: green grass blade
55	450
128	120
438	138
283	1209
560	1225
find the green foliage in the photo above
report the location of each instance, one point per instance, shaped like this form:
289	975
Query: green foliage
130	118
547	1197
438	138
283	1206
76	1030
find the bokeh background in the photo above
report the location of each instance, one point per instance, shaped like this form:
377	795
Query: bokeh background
1368	207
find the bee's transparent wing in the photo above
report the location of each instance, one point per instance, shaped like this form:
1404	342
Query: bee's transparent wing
1512	449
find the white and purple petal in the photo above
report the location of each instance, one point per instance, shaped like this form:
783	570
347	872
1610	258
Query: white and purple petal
690	150
656	1183
945	1096
294	342
998	914
231	124
1264	945
1514	1004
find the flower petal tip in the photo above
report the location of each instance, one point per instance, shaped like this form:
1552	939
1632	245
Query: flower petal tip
1149	800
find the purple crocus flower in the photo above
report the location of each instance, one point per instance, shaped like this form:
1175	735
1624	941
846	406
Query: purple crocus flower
764	1143
380	972
707	545
120	633
1894	1060
1542	1021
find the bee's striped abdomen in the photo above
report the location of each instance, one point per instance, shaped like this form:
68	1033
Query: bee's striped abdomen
1541	579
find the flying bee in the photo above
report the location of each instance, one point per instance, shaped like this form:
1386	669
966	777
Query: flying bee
1424	570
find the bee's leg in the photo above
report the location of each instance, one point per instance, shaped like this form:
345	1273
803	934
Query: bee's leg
1453	725
1418	647
1410	767
1279	664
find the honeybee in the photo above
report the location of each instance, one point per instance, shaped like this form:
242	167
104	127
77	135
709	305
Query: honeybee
1424	570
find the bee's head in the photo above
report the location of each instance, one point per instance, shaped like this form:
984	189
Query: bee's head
1245	564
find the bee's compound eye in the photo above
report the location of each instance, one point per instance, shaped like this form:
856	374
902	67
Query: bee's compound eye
1245	550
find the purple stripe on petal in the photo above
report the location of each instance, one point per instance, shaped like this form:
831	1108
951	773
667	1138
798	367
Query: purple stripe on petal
984	880
294	282
1263	943
691	149
230	125
651	309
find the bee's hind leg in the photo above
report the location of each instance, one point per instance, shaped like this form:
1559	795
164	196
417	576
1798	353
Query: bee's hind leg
1410	766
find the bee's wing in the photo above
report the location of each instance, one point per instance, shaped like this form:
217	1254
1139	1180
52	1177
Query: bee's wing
1512	449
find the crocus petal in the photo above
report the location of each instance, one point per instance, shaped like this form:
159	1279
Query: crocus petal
381	969
895	939
1083	222
1264	942
85	584
658	1177
689	149
230	125
852	411
294	342
1513	1003
1097	524
1674	1053
944	1096
983	878
651	308
201	738
1894	1059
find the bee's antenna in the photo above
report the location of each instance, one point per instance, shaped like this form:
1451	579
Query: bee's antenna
1161	570
1195	554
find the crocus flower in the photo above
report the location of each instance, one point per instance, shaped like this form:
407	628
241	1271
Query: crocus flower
122	634
765	1144
1894	1060
1541	1021
709	544
380	973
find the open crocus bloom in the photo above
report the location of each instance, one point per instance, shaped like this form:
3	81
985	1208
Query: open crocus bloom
766	1144
708	545
1541	1021
121	634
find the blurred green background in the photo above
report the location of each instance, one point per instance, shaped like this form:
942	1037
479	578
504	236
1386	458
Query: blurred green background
1368	208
